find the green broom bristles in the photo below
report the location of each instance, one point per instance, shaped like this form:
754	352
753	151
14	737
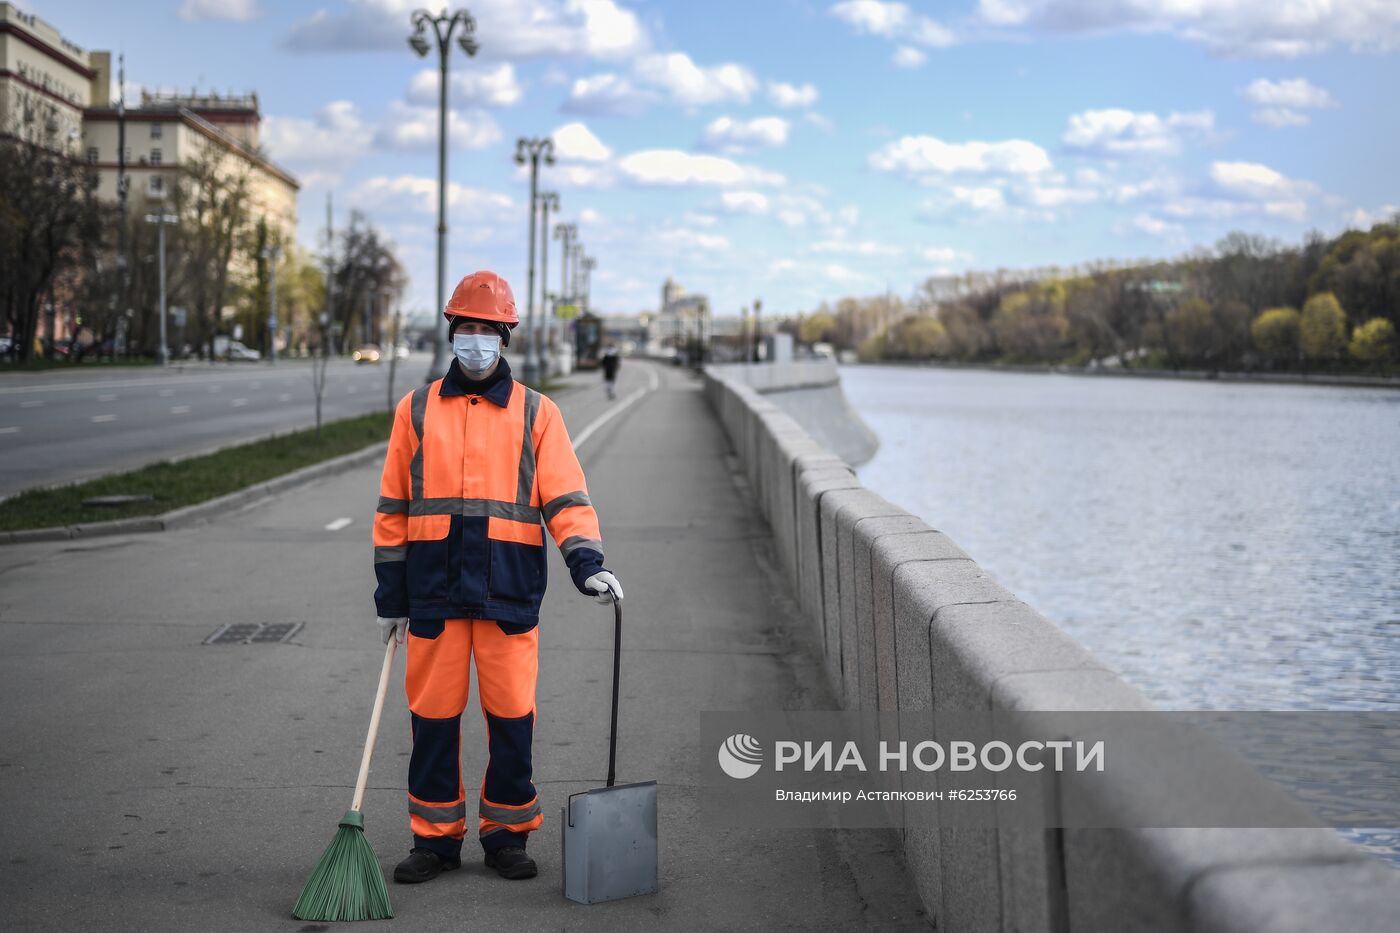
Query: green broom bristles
347	883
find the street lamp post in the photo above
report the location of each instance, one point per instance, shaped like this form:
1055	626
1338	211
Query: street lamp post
566	233
587	263
160	220
549	200
757	327
272	254
530	150
443	26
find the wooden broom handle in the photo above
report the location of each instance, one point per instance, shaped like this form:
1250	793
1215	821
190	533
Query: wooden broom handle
363	779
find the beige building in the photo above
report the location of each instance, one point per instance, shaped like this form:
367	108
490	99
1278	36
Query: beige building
46	82
168	131
51	89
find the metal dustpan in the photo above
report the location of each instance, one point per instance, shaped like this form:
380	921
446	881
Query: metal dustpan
610	832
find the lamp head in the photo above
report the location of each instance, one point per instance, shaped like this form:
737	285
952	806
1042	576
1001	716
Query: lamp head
419	43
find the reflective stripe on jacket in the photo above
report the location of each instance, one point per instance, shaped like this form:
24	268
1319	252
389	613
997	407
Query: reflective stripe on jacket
467	480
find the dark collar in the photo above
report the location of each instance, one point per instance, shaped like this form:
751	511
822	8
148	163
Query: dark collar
497	387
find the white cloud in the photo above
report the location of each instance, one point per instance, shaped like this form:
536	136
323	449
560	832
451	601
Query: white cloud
1253	180
839	273
332	139
418	194
1280	117
1155	226
507	29
745	202
1265	28
580	176
892	21
945	254
674	168
980	198
238	11
906	56
606	94
1282	102
1052	196
1117	132
731	135
1363	219
820	121
1244	189
408	127
922	156
842	246
787	95
476	87
589	216
575	142
685	238
692	85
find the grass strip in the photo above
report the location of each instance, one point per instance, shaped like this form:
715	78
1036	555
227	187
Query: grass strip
175	484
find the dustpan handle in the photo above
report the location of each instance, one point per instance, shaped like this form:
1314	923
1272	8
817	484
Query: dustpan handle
617	669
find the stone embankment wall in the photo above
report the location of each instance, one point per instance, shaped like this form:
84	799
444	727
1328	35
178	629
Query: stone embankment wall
909	622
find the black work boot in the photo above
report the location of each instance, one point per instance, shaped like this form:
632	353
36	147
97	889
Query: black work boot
423	865
511	862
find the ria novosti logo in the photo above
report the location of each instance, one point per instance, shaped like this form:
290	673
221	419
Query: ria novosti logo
740	756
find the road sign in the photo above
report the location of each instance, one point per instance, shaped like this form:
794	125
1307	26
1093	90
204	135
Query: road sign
567	312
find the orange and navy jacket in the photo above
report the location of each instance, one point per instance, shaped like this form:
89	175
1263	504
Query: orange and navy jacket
470	473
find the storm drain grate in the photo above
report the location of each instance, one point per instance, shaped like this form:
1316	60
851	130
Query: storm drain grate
253	633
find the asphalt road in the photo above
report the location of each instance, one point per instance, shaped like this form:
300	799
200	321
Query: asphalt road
60	426
153	783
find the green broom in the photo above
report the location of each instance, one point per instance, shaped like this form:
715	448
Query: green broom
347	883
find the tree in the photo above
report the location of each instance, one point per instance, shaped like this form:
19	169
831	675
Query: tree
1275	333
368	270
1374	341
47	213
1193	330
965	336
817	327
212	201
1323	328
1030	324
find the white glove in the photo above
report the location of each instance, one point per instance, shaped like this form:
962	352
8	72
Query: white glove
605	587
392	628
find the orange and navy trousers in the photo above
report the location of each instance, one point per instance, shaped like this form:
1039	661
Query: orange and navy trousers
440	652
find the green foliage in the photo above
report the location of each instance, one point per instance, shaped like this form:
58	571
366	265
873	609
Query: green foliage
185	482
1194	333
1275	333
1374	341
817	328
1323	328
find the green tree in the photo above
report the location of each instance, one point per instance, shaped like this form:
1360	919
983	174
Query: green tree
1374	341
1193	330
817	327
1275	333
913	338
1323	328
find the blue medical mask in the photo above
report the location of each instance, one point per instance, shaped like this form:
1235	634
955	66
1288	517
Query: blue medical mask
476	352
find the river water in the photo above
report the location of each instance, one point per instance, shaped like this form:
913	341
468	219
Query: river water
1222	546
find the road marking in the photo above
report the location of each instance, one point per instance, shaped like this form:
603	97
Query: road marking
99	419
611	413
179	409
106	398
33	403
239	402
9	430
338	524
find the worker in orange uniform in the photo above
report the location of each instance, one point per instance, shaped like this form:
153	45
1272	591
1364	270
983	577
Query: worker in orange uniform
476	460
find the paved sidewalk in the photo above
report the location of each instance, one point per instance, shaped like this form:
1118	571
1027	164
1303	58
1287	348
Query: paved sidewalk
152	783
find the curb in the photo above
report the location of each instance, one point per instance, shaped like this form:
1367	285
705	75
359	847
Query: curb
200	511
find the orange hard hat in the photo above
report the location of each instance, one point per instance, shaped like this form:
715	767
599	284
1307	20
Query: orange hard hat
483	296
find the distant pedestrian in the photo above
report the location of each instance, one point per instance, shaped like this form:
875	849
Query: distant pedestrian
476	460
611	362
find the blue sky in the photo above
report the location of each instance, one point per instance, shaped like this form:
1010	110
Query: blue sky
800	151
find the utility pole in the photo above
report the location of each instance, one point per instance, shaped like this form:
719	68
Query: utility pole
443	27
272	254
565	233
549	200
160	220
588	262
123	267
531	150
744	334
